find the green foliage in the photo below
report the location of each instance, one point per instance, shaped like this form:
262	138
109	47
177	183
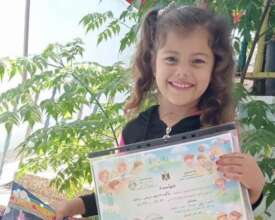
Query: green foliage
9	119
134	13
2	70
257	136
64	146
270	191
30	113
95	20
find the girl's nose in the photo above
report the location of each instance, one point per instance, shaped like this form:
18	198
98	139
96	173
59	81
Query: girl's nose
184	71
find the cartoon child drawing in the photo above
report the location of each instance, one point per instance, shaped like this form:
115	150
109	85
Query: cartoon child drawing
235	215
202	159
122	168
104	176
222	216
205	166
188	160
215	152
118	185
137	167
118	181
220	183
202	147
114	185
202	150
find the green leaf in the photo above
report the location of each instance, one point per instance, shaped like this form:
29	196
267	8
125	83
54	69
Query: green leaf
51	108
93	21
128	39
270	189
2	70
30	113
9	119
240	94
268	166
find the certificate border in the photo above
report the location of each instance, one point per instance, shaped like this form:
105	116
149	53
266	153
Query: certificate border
173	140
162	142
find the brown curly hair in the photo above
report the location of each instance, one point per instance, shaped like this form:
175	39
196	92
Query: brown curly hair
216	103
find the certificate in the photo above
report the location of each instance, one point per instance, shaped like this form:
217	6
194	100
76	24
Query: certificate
174	180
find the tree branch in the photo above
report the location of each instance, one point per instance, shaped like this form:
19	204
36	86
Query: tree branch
99	105
256	38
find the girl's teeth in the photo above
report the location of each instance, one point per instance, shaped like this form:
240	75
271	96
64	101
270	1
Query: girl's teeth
181	85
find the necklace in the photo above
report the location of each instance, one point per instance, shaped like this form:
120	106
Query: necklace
168	119
168	131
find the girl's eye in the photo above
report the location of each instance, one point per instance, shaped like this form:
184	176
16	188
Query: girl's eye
171	60
198	61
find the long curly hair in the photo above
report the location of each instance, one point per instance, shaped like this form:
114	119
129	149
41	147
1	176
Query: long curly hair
216	103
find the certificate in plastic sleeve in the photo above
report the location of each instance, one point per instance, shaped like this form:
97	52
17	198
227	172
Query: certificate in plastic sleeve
172	178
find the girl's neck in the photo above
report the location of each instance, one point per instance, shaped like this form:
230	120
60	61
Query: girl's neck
171	114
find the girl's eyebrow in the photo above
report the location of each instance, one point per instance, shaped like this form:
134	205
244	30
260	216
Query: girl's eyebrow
194	54
201	54
171	51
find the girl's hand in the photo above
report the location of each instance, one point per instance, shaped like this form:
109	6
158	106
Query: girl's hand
61	211
243	168
61	216
69	208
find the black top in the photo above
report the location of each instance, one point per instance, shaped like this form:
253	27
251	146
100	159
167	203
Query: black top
147	126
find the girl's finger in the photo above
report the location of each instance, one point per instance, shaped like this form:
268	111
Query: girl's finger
231	169
238	161
234	155
233	176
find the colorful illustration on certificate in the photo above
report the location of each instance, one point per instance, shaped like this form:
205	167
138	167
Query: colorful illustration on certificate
178	181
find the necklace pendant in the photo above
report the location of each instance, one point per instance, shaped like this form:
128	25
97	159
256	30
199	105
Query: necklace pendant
168	131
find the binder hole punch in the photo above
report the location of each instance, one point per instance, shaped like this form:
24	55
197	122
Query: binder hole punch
183	137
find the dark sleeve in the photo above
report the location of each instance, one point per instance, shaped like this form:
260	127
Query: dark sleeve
90	205
258	202
134	131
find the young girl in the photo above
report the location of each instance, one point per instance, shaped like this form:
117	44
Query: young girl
185	57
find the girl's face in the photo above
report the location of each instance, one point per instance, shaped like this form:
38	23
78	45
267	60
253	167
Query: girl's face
183	68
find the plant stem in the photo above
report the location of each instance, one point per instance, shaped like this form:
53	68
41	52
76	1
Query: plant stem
99	105
256	38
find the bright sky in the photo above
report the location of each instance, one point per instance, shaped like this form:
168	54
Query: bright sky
11	25
53	21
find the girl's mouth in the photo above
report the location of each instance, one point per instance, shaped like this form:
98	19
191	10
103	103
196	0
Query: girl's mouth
180	85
